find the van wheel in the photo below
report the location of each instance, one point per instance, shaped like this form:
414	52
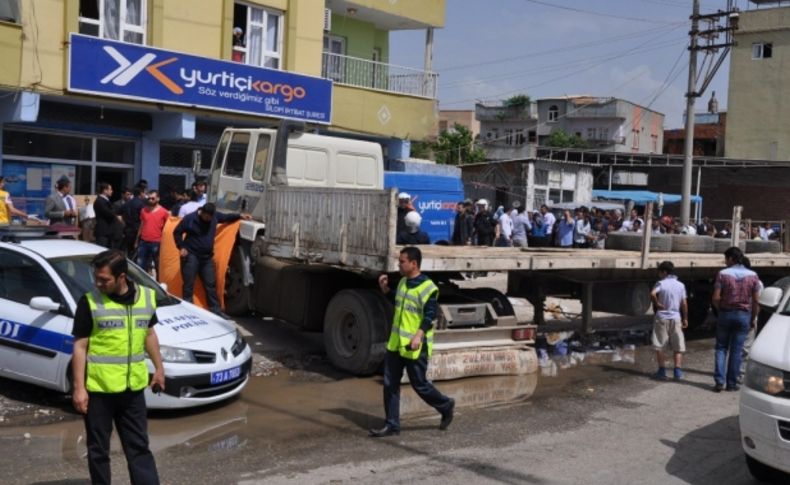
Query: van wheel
237	296
497	299
355	330
763	472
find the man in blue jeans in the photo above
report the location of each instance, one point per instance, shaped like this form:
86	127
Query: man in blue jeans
735	295
194	237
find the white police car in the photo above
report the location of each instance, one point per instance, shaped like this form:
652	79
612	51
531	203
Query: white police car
205	357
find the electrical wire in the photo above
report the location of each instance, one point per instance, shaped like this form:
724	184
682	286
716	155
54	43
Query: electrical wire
595	13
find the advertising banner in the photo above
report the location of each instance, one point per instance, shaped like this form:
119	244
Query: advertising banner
130	71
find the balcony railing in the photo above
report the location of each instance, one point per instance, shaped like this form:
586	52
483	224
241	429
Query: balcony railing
364	73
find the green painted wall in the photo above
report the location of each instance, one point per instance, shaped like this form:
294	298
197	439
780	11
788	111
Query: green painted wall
361	37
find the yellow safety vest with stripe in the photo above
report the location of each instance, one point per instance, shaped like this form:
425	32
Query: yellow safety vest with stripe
5	214
409	305
116	347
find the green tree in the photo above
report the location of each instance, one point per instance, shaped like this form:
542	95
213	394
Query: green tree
421	149
560	139
456	146
517	101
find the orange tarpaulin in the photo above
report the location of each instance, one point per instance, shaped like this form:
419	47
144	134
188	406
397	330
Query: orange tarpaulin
170	261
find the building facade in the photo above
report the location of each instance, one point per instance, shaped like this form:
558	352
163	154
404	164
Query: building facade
530	182
710	130
507	132
758	106
463	117
119	90
609	124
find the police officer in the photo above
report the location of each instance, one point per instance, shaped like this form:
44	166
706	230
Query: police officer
113	331
411	342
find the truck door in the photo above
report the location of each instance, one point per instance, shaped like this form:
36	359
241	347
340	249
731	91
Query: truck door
243	170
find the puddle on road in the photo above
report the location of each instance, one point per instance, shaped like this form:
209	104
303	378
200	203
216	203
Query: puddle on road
281	408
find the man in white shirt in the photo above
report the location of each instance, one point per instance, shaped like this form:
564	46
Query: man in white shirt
504	230
581	230
548	221
766	232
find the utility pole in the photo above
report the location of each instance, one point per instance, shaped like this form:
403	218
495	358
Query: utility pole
691	95
722	22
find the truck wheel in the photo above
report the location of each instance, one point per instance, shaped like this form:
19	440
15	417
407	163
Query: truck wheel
721	245
699	307
237	296
355	330
685	243
497	299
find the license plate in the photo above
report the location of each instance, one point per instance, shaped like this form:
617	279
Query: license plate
225	375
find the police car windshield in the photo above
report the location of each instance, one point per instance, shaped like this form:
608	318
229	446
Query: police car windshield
77	274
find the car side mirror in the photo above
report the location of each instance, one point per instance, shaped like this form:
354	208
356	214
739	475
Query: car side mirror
44	304
770	297
163	286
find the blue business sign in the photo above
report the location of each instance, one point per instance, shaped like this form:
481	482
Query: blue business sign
131	71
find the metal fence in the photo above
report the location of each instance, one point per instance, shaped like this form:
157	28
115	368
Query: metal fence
378	75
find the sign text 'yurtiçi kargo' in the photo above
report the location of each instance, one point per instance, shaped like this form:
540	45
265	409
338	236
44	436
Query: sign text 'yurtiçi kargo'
121	70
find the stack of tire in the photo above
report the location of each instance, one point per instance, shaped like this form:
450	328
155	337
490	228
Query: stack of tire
632	241
686	243
721	245
760	246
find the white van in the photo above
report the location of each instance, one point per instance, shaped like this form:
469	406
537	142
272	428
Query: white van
765	396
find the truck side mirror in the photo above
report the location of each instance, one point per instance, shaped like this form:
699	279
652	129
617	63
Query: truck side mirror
770	297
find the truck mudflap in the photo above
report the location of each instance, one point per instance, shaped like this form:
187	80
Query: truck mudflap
456	363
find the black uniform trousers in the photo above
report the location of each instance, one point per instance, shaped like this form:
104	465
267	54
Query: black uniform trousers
128	411
416	369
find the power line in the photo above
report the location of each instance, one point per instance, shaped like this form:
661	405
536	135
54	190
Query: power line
597	14
596	43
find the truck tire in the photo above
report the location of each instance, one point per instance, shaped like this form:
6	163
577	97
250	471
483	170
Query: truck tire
355	330
684	243
759	246
629	298
698	308
497	299
721	245
631	241
237	295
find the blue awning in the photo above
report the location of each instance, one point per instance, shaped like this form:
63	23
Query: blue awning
641	197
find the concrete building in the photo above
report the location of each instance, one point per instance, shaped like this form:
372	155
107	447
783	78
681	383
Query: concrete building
118	90
609	124
507	132
758	106
464	117
532	181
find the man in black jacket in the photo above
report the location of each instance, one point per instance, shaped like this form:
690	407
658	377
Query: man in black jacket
194	237
108	228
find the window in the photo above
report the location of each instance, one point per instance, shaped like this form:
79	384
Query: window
9	11
114	19
762	50
532	136
635	141
508	136
261	157
334	66
591	133
554	112
260	38
603	134
115	151
520	137
655	143
237	154
541	177
21	279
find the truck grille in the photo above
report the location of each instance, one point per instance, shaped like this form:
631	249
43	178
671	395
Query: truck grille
784	430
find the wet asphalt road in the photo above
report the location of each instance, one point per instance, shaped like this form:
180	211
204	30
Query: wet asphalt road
600	421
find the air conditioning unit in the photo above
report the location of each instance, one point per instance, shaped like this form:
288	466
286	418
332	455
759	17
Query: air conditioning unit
327	19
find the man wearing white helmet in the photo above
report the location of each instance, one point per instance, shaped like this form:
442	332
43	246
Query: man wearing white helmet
413	235
404	207
484	224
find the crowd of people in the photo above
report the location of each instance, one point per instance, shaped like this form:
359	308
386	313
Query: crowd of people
476	224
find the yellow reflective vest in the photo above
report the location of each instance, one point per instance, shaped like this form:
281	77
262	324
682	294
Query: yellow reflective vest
409	305
5	214
116	347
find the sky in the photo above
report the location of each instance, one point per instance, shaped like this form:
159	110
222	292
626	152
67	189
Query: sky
636	50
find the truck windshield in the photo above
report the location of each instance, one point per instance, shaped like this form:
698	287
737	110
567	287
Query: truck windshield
77	273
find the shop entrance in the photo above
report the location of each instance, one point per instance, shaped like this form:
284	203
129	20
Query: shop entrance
117	177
